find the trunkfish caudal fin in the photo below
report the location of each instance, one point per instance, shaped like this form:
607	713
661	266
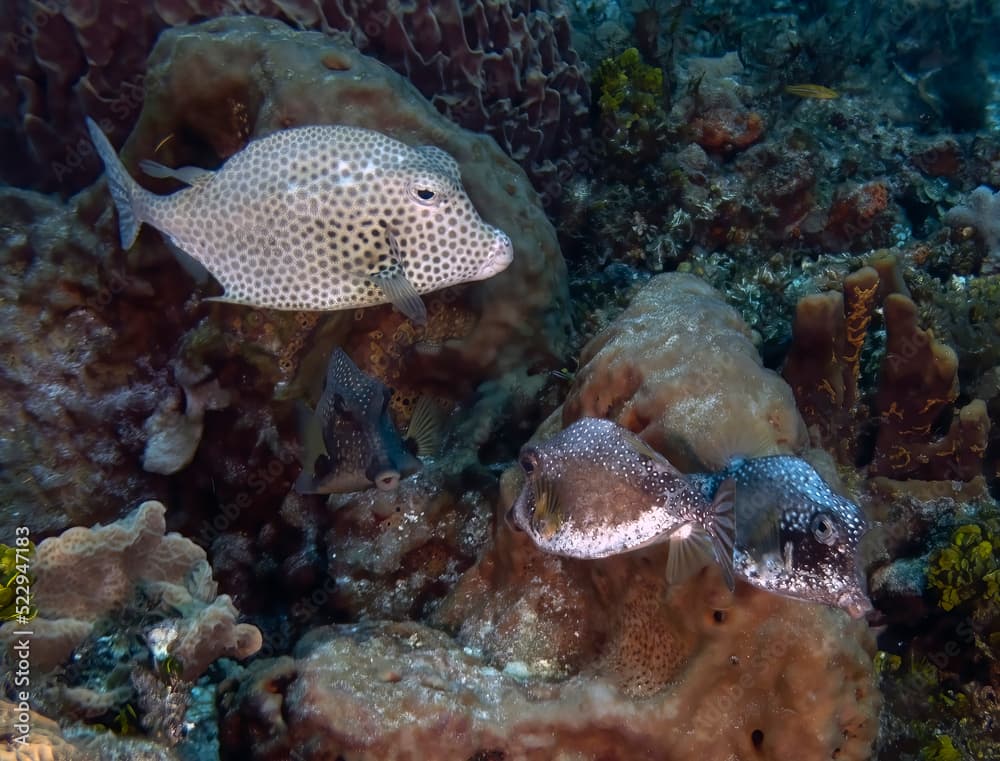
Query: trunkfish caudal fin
723	530
129	197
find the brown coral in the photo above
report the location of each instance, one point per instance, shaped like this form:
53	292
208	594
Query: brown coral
679	368
506	69
918	383
859	218
88	573
47	741
396	691
599	658
723	130
206	88
825	360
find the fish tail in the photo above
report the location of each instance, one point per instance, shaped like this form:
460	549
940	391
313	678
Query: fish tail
125	191
722	528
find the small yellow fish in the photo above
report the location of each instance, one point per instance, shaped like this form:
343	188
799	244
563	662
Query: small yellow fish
812	91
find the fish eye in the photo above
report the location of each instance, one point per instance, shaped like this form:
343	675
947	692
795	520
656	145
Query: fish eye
823	529
528	463
426	195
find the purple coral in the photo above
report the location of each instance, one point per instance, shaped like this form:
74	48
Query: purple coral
981	211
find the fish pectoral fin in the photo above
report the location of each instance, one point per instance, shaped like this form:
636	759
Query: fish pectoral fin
425	426
305	483
691	549
546	498
189	175
314	480
401	293
723	530
546	517
759	528
233	293
315	461
198	271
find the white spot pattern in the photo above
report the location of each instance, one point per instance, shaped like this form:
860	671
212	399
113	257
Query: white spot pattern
301	219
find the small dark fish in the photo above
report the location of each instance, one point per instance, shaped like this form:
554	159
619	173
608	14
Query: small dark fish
795	536
595	489
350	443
817	92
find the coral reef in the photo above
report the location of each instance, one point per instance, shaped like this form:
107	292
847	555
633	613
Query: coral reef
106	317
394	555
643	373
543	645
821	178
507	69
83	367
389	691
968	569
981	212
114	562
15	571
48	742
918	383
139	612
824	361
196	97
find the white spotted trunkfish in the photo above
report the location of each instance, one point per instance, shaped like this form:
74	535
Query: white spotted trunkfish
795	536
350	442
319	218
595	489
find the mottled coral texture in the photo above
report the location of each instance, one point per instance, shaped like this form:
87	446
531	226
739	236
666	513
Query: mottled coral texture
561	658
82	366
48	742
679	368
824	362
403	691
85	574
507	69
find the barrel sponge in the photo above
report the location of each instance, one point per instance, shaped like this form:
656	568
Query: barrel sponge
679	368
506	68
